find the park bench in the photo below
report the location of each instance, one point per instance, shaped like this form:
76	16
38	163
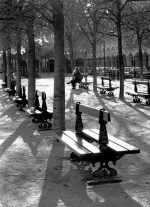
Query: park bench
136	94
93	145
84	84
21	100
107	88
40	114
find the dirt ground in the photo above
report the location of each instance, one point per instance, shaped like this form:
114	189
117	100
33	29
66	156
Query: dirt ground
35	170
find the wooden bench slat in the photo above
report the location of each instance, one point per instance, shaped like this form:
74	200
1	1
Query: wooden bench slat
84	83
90	134
30	110
137	94
50	110
140	82
112	145
107	87
73	145
106	78
127	146
132	93
89	111
92	112
82	141
102	87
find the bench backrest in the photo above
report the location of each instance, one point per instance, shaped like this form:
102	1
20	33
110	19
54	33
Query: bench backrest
140	82
24	93
40	103
85	75
136	82
106	78
20	92
101	114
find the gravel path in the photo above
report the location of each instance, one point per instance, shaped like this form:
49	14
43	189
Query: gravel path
35	170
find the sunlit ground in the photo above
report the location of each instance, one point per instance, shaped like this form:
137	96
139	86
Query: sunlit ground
35	170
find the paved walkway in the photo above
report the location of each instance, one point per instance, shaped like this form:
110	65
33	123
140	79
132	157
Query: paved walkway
35	170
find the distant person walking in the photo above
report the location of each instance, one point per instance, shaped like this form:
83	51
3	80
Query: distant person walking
76	77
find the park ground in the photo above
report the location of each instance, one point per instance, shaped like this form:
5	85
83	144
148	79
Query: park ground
35	170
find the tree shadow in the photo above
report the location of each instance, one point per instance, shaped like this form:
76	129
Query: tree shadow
62	189
70	189
22	126
138	106
135	107
26	131
8	109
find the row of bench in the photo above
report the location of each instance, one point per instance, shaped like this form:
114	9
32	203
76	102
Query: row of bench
108	88
136	94
39	114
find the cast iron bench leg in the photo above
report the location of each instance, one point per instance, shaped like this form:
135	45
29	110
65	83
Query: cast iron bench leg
104	174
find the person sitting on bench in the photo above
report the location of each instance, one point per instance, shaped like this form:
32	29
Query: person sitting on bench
76	77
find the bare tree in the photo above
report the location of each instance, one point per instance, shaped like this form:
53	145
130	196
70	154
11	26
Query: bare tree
137	23
30	18
59	75
52	12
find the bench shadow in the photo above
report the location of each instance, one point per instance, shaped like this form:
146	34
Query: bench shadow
62	188
105	97
114	195
70	189
78	91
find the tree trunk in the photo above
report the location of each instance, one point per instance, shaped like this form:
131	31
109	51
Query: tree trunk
19	61
59	72
120	55
9	67
140	57
94	57
94	67
85	62
4	66
7	40
31	65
